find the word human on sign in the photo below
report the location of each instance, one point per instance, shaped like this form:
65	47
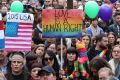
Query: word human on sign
19	17
61	23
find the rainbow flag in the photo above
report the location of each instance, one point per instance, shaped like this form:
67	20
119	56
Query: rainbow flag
103	53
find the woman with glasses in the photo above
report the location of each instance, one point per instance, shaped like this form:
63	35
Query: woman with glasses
111	40
115	61
51	60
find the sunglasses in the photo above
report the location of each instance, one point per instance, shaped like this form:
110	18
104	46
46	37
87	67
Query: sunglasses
46	59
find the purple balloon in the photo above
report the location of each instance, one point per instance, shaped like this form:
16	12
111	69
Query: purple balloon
113	1
105	12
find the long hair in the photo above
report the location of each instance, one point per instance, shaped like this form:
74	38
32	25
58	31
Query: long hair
83	35
55	65
97	63
71	50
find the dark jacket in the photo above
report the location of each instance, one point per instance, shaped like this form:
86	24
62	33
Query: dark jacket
93	53
22	76
115	29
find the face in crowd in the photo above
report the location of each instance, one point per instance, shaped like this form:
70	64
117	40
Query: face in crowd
40	50
52	48
116	52
111	39
47	76
49	60
105	74
117	19
2	56
34	73
17	64
86	40
71	56
104	43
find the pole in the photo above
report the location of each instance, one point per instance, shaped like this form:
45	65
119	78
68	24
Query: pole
61	66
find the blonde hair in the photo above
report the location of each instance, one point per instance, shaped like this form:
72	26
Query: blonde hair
105	69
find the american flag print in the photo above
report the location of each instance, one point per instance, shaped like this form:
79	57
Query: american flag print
2	36
22	42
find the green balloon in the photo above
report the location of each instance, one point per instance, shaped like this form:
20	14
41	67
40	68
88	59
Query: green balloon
91	9
16	6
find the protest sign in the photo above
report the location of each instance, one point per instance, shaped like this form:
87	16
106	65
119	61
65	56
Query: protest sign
18	31
2	37
62	23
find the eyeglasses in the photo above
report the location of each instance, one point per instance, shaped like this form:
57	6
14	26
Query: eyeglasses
46	59
116	51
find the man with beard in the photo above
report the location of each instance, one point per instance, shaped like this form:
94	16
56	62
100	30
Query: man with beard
3	61
100	49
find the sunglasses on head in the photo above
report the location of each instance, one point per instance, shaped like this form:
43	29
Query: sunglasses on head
46	59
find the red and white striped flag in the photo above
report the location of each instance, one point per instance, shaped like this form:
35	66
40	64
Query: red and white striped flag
23	40
18	31
2	36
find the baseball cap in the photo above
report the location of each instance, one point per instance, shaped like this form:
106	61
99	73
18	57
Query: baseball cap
46	69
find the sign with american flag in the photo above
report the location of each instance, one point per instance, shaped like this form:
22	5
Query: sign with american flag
2	37
18	34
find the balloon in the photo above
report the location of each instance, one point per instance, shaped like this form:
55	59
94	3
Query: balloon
91	9
105	12
113	1
16	6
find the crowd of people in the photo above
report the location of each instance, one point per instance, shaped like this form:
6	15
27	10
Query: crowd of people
93	56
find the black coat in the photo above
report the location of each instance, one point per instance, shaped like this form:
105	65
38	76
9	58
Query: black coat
93	53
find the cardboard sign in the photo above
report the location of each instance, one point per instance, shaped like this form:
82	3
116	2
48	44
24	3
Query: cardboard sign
19	17
18	33
62	23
